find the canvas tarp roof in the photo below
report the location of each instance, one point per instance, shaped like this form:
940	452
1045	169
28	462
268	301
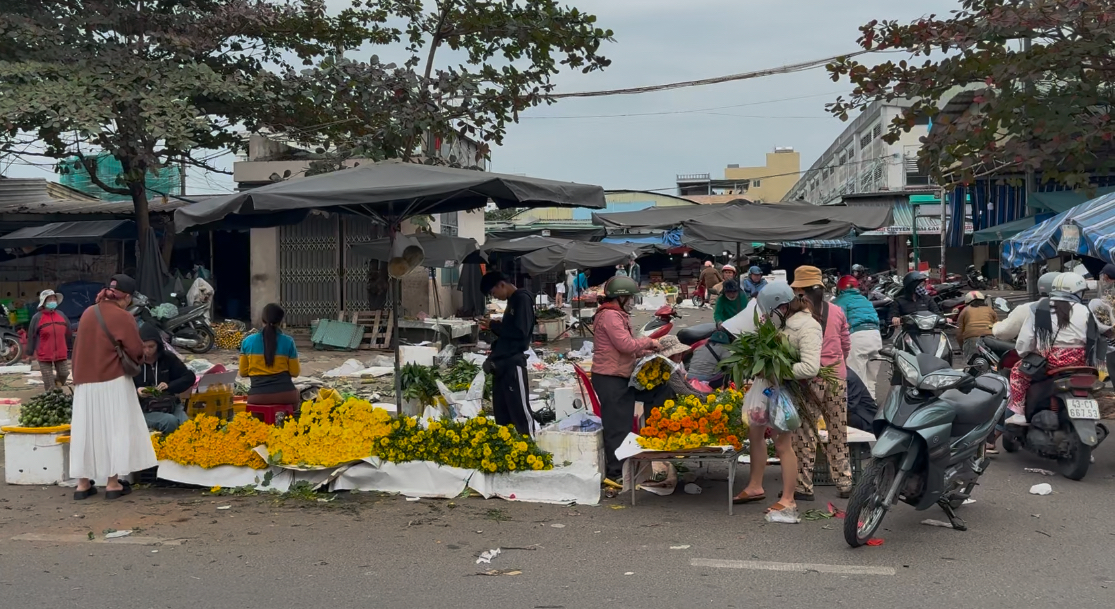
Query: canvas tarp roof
580	255
777	223
392	191
440	251
521	245
70	232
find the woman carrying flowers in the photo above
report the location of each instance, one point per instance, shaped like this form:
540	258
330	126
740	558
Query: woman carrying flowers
615	349
793	318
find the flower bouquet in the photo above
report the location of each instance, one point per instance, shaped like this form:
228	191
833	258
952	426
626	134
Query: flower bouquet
651	371
690	422
209	442
477	443
330	431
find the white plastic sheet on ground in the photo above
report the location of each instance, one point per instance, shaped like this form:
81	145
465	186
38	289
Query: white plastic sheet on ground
413	479
353	368
227	476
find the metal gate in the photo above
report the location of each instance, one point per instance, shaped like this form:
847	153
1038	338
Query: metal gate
309	261
355	271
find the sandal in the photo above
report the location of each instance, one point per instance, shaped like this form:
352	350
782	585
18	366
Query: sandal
87	493
126	490
777	507
743	497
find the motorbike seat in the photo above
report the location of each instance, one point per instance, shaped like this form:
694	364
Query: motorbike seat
978	406
1068	370
951	303
996	345
929	363
696	333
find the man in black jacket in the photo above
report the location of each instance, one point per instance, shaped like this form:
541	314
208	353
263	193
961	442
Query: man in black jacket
914	297
507	363
861	406
159	383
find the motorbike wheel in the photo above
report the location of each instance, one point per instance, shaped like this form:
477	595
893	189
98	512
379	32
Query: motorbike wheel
11	351
205	340
1076	466
698	301
866	507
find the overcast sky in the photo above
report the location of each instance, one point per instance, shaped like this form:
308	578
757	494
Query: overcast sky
661	41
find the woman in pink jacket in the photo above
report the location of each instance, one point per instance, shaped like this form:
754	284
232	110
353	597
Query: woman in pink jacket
615	349
830	402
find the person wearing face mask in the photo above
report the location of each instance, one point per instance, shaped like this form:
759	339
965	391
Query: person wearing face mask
828	400
754	282
47	339
914	297
792	317
108	435
162	377
615	349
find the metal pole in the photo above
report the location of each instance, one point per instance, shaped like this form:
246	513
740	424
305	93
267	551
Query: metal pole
1032	271
944	230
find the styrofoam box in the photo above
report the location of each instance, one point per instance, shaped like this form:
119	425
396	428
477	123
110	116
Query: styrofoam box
577	447
564	399
654	301
423	356
35	459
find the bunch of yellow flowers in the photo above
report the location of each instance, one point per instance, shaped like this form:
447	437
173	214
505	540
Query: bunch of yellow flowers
477	443
329	431
653	373
692	423
209	442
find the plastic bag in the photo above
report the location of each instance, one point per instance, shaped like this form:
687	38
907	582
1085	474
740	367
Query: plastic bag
783	414
465	404
656	374
755	403
1102	311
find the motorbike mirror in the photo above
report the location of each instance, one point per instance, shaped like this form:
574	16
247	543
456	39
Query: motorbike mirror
1002	304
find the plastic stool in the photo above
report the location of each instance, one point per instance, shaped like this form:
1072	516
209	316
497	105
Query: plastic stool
271	414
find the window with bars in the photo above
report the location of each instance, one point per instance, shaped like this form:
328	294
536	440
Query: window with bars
877	131
449	227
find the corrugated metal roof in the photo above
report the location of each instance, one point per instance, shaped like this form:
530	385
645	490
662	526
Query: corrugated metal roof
41	196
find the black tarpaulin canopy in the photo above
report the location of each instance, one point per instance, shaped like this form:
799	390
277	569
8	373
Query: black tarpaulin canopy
663	218
439	251
60	233
522	245
580	255
392	191
777	223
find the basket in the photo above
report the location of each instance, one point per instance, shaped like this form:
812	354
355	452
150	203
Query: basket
216	401
857	459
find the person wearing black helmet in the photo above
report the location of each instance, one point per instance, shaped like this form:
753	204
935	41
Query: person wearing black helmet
507	362
914	297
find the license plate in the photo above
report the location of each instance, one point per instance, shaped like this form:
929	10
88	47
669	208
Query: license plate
1083	409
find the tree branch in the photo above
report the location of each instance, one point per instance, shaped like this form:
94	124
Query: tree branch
90	166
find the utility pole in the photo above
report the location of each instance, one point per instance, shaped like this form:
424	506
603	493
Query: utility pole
1032	271
944	229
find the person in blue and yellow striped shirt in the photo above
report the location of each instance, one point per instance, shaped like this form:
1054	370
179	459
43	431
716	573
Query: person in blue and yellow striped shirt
270	359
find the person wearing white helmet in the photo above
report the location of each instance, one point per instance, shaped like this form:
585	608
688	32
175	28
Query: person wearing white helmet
974	321
792	316
1063	331
1009	328
728	272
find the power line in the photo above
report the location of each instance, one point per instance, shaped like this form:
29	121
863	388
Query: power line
786	69
696	110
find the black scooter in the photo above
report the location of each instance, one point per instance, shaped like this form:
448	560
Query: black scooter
11	347
931	442
189	329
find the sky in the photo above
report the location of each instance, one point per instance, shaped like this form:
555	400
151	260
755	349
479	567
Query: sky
662	41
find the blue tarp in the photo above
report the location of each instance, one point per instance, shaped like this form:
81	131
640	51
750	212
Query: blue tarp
1087	229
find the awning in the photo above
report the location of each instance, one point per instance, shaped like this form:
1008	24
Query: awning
1059	201
663	218
1005	231
820	244
76	233
580	255
746	222
439	251
1087	229
521	245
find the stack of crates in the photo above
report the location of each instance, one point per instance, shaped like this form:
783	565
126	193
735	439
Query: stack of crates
214	397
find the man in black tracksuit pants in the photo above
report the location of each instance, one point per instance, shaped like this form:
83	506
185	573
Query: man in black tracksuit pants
507	362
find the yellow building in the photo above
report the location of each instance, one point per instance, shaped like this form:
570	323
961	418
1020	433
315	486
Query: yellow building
765	184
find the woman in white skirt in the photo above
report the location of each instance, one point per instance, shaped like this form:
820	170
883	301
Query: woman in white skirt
108	435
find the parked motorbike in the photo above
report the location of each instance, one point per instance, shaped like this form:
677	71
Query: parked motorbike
661	324
696	337
882	303
931	442
924	333
189	329
1062	420
11	347
976	280
1016	278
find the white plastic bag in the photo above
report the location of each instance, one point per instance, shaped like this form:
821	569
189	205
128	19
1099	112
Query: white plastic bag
646	361
1105	316
755	403
465	404
783	413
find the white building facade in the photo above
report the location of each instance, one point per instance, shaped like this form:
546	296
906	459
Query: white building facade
859	161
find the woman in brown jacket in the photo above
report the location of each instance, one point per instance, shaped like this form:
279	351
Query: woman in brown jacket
975	321
108	436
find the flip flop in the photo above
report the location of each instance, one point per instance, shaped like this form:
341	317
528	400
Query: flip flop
746	498
777	507
127	490
87	493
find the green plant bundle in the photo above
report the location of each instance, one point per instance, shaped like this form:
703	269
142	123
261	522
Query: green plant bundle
419	383
765	353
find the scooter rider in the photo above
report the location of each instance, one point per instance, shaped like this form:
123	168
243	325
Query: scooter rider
914	297
1009	328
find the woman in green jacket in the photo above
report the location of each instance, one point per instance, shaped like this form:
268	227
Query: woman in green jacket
730	302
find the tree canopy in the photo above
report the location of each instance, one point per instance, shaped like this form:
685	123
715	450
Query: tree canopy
155	82
1047	109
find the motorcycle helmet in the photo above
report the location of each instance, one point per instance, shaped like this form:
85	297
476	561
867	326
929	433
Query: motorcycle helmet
727	267
621	286
912	279
1069	284
754	271
846	282
1045	283
973	295
775	295
858	268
